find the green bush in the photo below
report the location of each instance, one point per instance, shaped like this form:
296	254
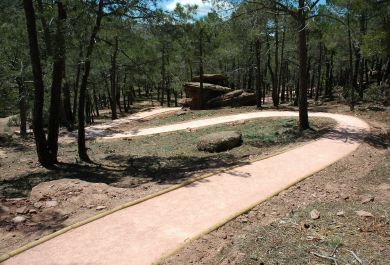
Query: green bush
377	93
14	121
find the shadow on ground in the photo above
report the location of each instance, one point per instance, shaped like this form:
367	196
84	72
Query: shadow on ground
156	169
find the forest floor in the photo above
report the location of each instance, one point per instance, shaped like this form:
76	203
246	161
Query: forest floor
78	191
125	170
352	198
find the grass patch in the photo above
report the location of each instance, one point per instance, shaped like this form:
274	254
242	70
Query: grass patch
169	158
199	114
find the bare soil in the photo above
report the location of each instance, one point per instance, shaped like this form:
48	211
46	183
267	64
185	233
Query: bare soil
44	201
282	230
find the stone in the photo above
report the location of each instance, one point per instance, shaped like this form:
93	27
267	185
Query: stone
52	203
384	186
38	205
21	210
314	214
192	91
185	102
100	207
181	113
366	199
364	214
3	209
244	220
233	98
224	100
19	219
219	142
340	213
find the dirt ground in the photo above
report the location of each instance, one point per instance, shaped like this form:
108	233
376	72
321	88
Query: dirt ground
35	201
340	215
279	231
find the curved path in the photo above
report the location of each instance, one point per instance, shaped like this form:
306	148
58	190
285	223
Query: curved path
145	232
101	130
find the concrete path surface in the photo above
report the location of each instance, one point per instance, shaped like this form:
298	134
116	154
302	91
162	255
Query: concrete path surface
101	129
143	233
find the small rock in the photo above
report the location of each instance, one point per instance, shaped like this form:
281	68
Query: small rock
19	219
32	211
21	210
384	186
180	113
244	220
314	214
51	203
366	199
340	213
219	142
38	205
364	214
100	207
3	209
15	199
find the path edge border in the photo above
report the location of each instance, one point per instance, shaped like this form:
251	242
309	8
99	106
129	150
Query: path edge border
48	237
245	210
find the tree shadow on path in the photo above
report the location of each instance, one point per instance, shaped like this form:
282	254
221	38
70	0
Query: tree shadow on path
160	170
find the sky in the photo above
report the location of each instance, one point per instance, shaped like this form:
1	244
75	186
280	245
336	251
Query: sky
203	6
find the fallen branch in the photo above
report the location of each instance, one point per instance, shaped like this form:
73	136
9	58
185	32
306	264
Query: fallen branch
335	249
325	257
356	257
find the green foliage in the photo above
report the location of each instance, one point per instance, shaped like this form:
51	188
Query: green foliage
145	31
373	43
376	93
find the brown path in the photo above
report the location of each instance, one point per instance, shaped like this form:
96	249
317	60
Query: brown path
145	232
102	130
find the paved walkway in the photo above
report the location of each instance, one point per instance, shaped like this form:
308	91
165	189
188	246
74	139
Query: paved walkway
101	130
143	233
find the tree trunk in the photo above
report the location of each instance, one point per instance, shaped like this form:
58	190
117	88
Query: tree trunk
22	105
259	78
303	112
274	100
56	86
385	77
39	134
82	150
318	88
275	86
67	106
282	64
201	103
45	28
113	75
76	85
351	85
96	101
